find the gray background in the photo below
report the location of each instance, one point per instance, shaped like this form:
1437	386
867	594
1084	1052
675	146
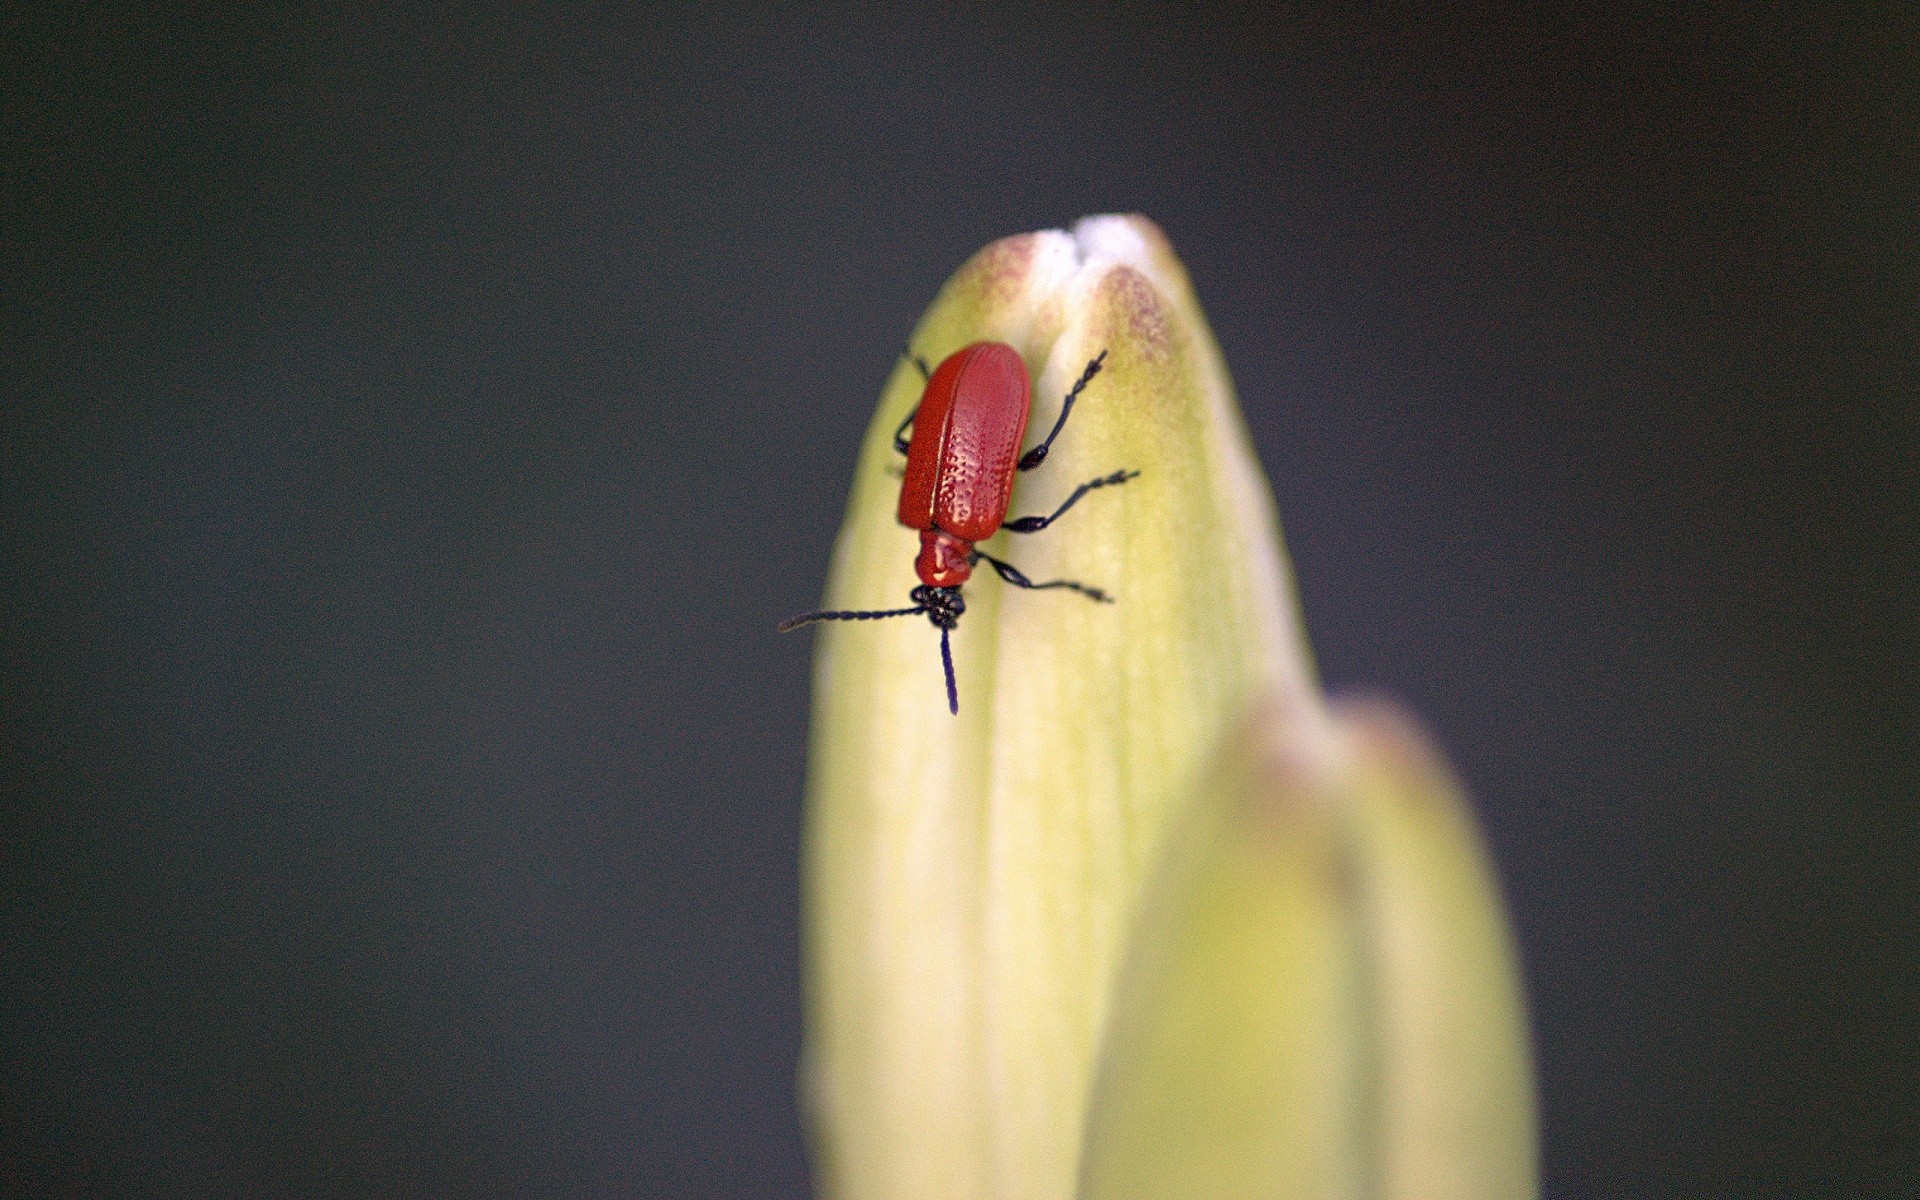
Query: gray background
413	428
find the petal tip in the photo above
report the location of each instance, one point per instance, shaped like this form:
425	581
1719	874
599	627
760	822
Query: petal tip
1383	731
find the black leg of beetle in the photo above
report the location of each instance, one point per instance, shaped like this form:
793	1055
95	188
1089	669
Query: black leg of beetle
1038	454
1035	524
900	442
1012	575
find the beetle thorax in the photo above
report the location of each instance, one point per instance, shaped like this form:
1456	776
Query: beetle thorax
945	561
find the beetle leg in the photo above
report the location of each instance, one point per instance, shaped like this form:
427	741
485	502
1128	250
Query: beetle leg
1012	575
1035	524
900	442
1038	454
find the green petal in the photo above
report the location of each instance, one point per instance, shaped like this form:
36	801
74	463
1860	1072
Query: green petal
971	880
1322	1000
1455	1069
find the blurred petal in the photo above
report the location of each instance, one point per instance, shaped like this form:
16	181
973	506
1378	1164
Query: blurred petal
1322	1000
1456	1071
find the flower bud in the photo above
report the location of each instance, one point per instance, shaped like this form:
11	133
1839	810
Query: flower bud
973	880
1321	999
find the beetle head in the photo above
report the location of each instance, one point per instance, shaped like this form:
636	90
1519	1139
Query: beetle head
943	605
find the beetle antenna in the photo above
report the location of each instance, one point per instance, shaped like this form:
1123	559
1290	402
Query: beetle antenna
793	623
946	660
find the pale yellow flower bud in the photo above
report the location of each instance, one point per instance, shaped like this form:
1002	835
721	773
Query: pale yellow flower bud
973	881
1321	999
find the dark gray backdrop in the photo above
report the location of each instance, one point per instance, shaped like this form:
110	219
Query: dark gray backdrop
413	428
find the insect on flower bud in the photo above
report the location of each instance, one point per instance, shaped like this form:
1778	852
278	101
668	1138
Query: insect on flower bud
974	868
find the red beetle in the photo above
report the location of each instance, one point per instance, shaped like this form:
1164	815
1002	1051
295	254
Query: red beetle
967	431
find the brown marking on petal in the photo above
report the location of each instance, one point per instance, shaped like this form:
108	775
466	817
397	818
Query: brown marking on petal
999	271
1130	297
